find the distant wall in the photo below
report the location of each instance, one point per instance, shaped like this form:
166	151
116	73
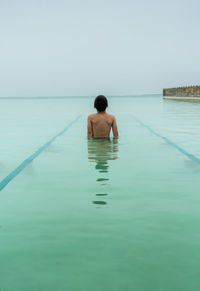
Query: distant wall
191	91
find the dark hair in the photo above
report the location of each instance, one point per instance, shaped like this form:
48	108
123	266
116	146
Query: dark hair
100	103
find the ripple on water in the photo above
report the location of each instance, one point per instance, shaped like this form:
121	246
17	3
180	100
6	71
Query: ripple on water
99	202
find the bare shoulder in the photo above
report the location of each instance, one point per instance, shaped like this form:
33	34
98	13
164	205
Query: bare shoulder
112	116
91	116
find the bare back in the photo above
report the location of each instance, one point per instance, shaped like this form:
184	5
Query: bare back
100	124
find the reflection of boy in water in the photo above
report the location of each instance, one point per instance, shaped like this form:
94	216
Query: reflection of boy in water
101	151
100	123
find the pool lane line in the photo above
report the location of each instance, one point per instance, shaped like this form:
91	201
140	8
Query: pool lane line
27	161
167	140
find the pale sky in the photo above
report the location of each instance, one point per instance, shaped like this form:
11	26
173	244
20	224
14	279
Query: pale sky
90	47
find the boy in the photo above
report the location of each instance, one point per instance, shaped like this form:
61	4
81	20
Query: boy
100	123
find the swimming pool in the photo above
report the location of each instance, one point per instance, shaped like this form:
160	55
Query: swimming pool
99	215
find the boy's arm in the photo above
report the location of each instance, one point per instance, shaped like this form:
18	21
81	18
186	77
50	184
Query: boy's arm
114	127
89	128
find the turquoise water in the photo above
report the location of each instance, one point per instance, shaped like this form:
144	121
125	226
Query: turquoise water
96	214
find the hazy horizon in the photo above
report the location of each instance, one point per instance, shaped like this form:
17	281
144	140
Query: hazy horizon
85	48
82	96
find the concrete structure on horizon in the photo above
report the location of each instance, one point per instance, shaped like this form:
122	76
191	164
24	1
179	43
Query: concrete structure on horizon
188	92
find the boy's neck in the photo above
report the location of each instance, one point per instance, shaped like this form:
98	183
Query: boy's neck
101	112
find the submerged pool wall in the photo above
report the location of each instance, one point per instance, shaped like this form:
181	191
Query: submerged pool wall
190	92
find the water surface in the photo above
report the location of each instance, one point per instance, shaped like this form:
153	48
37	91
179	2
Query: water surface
100	214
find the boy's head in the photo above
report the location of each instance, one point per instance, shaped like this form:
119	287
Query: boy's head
100	103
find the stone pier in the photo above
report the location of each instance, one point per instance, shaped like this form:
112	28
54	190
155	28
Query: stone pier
190	92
